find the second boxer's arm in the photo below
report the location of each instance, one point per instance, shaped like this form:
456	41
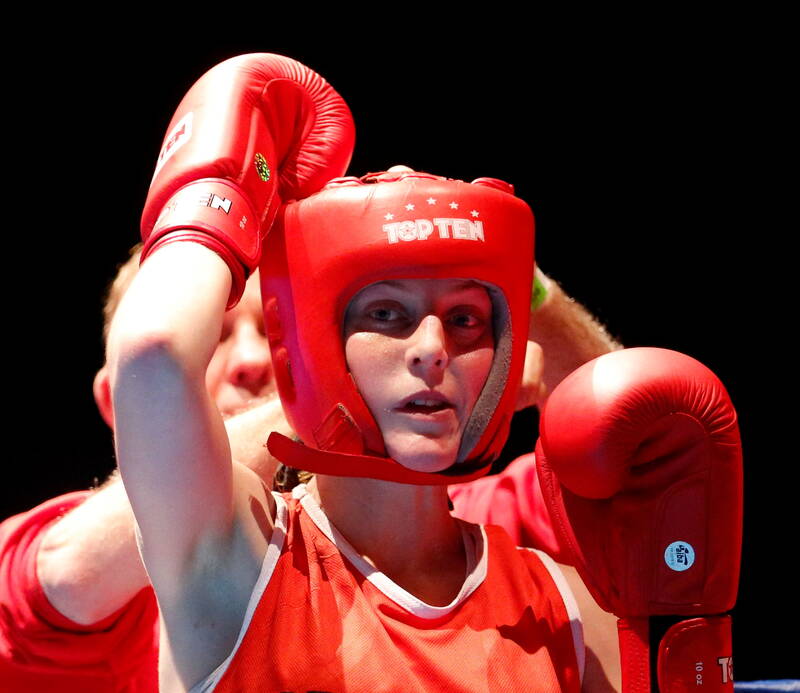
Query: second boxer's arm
568	335
248	431
88	563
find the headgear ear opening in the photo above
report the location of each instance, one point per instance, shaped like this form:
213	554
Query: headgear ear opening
322	250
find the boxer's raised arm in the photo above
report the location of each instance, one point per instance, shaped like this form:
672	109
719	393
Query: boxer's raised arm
171	443
252	131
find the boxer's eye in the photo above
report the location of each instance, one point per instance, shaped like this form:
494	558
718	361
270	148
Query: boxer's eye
467	324
465	321
385	314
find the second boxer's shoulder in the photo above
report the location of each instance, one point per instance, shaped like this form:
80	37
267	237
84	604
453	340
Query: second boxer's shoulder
25	531
47	511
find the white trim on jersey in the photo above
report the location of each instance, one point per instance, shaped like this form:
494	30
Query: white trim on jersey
475	544
575	622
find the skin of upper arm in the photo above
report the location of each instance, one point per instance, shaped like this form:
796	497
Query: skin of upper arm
203	620
602	673
172	447
204	522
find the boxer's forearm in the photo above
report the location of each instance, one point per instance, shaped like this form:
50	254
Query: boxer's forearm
88	562
568	334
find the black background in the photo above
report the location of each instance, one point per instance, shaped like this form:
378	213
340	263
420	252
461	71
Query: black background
647	147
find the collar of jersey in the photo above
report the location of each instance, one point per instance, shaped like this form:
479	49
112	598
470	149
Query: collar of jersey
475	546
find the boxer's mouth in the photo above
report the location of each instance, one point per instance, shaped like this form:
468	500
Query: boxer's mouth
425	403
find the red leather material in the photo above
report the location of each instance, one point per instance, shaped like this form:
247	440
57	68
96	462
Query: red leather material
252	131
696	655
641	466
395	225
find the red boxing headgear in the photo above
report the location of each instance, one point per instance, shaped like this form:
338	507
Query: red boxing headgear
324	249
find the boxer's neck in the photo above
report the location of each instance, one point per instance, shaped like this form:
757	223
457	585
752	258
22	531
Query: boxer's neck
404	531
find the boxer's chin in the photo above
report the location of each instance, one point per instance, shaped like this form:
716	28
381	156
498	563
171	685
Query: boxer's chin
421	453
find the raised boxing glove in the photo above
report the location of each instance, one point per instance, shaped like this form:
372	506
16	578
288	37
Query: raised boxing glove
640	464
252	131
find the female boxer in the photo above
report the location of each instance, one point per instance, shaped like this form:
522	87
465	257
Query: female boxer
396	309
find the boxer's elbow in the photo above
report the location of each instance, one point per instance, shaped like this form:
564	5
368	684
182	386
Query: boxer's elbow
146	363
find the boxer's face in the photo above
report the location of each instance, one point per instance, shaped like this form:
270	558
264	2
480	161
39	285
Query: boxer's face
241	369
420	351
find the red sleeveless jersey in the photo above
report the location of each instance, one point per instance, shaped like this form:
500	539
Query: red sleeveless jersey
322	619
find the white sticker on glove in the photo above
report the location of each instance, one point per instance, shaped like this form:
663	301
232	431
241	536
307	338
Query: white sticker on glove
679	556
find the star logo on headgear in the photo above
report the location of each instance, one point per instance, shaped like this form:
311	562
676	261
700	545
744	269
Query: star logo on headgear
420	229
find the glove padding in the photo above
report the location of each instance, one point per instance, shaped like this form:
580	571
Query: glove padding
639	459
253	131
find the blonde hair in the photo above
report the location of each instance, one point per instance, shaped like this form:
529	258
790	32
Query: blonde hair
125	274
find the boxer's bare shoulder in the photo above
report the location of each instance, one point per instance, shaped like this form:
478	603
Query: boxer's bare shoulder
602	670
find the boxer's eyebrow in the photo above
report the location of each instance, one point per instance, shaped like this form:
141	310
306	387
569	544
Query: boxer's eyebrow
468	284
393	283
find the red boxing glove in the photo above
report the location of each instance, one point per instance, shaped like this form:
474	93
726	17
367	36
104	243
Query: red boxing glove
640	463
253	131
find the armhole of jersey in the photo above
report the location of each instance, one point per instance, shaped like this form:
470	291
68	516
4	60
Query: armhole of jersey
271	556
571	605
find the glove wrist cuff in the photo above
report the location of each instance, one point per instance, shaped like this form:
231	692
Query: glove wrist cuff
216	214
